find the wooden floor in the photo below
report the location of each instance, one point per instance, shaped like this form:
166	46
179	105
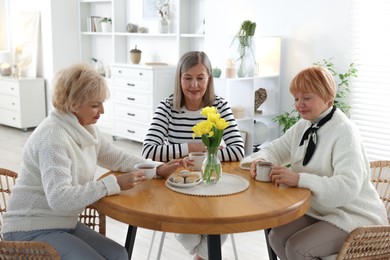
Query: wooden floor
250	245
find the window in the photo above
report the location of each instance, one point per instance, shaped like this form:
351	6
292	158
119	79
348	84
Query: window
370	92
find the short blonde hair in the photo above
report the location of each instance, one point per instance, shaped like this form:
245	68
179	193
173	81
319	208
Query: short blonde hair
317	80
187	61
77	85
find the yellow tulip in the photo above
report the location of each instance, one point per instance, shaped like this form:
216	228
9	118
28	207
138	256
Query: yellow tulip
221	124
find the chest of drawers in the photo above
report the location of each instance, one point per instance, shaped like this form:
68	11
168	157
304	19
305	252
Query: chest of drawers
22	102
136	93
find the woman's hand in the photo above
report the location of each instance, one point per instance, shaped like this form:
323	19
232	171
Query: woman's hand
130	179
165	170
282	175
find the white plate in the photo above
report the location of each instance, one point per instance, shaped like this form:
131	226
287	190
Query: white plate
184	185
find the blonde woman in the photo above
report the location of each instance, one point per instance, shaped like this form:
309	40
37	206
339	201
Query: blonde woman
56	178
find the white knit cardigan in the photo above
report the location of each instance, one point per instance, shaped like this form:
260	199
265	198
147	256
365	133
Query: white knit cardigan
56	178
338	174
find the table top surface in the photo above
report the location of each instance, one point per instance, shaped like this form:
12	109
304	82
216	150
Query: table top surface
154	206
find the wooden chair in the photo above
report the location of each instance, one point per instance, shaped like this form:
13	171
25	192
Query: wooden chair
371	242
10	250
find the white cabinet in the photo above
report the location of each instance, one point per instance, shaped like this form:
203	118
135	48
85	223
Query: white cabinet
239	92
186	31
136	93
22	102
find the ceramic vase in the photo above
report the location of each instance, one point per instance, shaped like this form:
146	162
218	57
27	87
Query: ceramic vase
212	167
163	26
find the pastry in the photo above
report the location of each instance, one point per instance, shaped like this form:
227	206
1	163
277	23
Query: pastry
191	179
178	179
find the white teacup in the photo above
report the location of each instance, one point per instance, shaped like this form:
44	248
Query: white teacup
263	170
198	158
149	169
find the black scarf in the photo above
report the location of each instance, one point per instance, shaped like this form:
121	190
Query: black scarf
311	133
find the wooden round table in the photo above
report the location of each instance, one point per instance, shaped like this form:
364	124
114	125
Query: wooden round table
153	206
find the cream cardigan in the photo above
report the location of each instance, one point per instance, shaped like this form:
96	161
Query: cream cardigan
338	174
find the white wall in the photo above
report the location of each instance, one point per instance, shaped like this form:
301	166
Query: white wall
311	30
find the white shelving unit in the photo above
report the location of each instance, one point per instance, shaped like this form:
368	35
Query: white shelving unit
186	31
240	93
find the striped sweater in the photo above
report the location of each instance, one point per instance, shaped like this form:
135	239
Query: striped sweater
171	131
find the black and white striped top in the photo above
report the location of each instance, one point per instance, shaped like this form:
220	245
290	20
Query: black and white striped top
171	131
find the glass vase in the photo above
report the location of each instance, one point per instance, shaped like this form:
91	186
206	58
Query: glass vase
211	168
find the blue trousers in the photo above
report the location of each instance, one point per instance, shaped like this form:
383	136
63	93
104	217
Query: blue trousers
79	243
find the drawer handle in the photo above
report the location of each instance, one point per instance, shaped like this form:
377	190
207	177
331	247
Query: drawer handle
130	98
13	103
119	71
131	84
130	114
141	74
131	131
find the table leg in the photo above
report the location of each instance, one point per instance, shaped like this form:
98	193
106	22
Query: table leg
214	247
271	253
130	239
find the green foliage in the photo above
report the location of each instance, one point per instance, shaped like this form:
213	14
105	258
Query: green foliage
244	34
106	20
288	119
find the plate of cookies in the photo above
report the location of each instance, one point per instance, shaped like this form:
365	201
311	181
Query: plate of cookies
185	179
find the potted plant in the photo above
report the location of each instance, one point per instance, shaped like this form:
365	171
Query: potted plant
106	24
244	38
288	119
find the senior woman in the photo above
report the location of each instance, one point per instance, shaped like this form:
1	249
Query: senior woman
170	133
56	179
327	156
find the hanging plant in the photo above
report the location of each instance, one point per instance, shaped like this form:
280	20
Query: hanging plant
243	36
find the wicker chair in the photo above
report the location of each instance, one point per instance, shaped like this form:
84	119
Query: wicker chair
380	177
11	250
371	242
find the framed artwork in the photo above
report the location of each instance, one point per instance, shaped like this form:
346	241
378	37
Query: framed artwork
150	10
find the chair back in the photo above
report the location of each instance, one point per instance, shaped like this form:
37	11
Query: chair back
10	250
7	181
370	242
93	219
380	177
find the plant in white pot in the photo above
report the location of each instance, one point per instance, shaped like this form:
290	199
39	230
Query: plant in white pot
106	24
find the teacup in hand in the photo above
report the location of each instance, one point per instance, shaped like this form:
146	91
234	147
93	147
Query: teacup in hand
263	170
149	169
197	158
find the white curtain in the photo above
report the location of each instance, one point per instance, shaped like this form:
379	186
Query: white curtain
370	92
